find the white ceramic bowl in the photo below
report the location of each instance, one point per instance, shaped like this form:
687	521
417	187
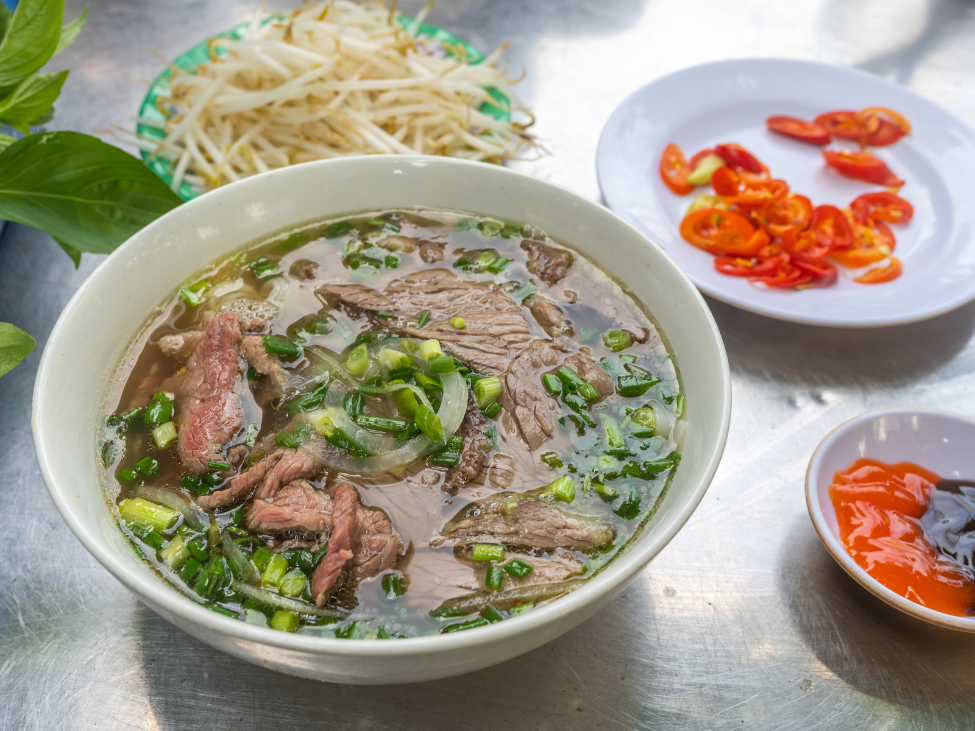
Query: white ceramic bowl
936	440
93	335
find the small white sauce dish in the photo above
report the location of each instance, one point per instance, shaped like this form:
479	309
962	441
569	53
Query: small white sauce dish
939	441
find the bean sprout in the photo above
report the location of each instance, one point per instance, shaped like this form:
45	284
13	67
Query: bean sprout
331	80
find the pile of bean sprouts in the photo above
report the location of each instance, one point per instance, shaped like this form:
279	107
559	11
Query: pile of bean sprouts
330	80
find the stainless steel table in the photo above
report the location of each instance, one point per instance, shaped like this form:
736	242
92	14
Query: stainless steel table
742	622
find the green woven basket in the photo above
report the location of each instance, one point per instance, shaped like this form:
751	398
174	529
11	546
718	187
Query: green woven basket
200	54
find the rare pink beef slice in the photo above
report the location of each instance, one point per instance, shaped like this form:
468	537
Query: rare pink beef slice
210	407
298	507
363	543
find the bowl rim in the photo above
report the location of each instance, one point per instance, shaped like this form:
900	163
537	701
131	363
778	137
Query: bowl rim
839	552
149	588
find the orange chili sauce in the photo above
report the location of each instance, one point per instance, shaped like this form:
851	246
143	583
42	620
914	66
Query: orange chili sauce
878	507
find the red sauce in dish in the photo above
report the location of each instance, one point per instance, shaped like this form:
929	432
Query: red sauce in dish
878	507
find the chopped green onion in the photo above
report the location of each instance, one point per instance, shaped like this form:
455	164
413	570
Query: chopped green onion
261	557
212	479
164	435
511	231
224	611
614	437
294	241
150	536
284	621
382	424
395	359
630	507
450	455
293	583
339	228
358	360
148	466
487	391
489	228
589	393
254	457
132	418
563	489
628	358
494	578
630	386
521	609
457	323
393	585
352	403
498	264
252	374
255	616
146	514
492	410
443	364
405	400
679	406
385	315
175	553
158	412
570	378
518	568
552	384
199	550
391	261
193	484
487	552
469	624
617	340
128	476
430	385
275	570
645	417
552	459
578	405
606	492
224	466
281	346
316	559
263	268
430	349
466	224
190	569
355	631
429	423
302	403
422	320
195	293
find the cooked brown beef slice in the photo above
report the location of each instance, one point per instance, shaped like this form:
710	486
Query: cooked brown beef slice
209	402
362	537
501	473
526	520
431	251
237	454
547	315
298	507
476	447
495	326
377	546
592	373
345	522
241	486
546	262
528	409
279	378
293	465
544	571
403	244
180	345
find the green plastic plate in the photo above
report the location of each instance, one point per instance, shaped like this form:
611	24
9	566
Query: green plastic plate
200	54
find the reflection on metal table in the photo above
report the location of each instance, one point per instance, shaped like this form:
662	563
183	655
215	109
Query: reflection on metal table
743	621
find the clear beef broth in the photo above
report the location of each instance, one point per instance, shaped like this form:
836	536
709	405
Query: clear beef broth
618	464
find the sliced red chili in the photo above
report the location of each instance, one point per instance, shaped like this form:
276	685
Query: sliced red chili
884	206
674	170
862	166
831	227
798	129
739	158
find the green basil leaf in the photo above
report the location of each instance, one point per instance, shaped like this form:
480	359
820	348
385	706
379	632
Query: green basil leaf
6	15
31	39
43	119
70	31
15	345
6	140
31	98
85	193
70	251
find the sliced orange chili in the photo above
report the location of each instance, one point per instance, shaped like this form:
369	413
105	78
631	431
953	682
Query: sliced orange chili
886	273
870	245
791	211
881	126
823	273
747	190
674	170
722	232
840	124
884	206
862	166
831	227
804	245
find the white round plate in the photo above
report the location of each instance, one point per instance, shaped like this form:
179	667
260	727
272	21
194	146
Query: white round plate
729	101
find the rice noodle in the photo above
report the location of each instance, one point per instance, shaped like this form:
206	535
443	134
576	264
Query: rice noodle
330	80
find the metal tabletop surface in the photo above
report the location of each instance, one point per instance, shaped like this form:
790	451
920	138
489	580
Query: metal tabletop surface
742	622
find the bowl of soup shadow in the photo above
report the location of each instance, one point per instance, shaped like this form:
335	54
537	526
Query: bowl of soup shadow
93	336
